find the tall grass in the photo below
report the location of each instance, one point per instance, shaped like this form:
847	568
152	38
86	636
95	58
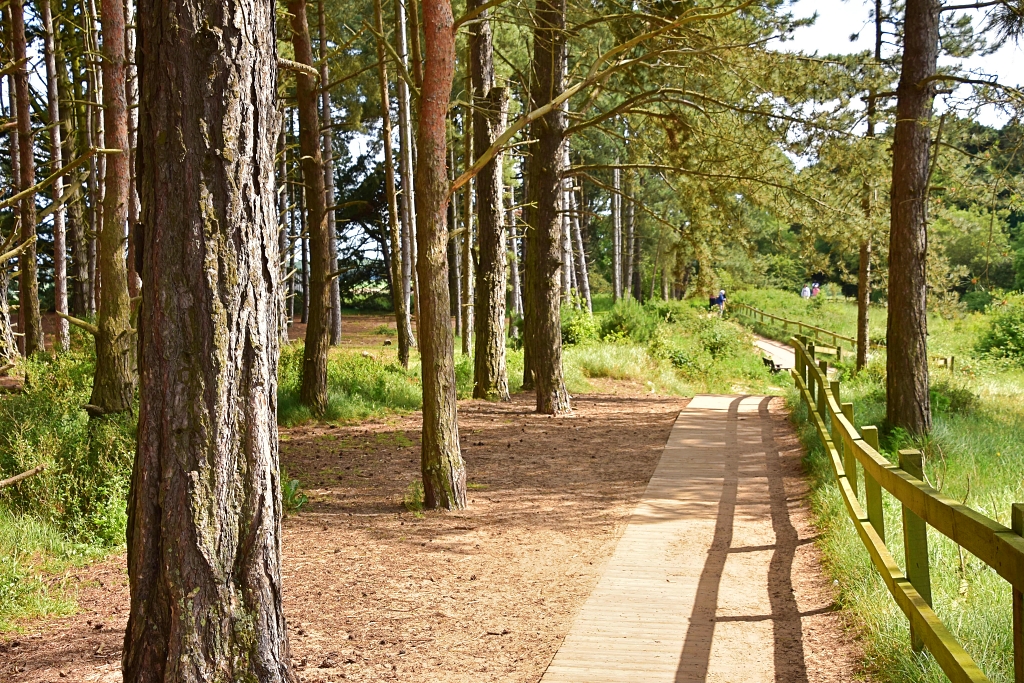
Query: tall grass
975	454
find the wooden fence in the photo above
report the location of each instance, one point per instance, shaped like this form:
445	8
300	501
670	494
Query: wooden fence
820	333
854	456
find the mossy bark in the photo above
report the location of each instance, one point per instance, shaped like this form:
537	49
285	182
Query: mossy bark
204	518
444	474
313	391
113	387
544	246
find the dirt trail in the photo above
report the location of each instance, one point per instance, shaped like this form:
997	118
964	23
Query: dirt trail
373	592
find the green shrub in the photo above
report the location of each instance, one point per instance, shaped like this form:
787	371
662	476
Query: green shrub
947	397
578	326
88	462
976	301
629	320
1005	336
291	493
718	337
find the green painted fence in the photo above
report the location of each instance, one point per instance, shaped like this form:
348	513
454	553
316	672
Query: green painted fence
854	456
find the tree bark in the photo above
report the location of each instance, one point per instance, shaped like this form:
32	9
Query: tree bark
616	233
204	520
113	387
490	110
864	265
403	324
28	281
60	268
134	280
454	257
515	288
329	190
406	160
628	285
8	342
543	249
444	474
466	261
313	392
907	326
582	275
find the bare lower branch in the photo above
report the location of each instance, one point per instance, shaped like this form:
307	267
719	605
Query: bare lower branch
24	475
87	326
304	69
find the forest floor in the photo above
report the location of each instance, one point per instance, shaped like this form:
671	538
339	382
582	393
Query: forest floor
374	591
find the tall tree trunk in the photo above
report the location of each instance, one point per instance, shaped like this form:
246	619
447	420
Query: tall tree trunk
627	280
864	265
444	474
408	197
454	257
304	251
582	275
281	183
8	343
907	327
543	249
15	155
28	283
515	288
490	109
113	386
467	234
60	267
313	392
204	515
328	151
76	216
134	280
402	322
616	232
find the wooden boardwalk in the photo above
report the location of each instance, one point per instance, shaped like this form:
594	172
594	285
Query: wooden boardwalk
699	586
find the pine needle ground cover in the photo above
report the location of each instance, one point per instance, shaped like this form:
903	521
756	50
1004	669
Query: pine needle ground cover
74	512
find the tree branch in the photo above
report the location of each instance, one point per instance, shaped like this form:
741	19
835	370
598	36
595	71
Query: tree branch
87	326
297	67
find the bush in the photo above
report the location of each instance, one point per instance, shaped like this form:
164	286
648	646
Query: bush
629	320
718	337
578	326
947	397
85	485
1005	336
976	301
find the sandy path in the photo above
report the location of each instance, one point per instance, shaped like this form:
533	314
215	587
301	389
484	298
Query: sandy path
714	578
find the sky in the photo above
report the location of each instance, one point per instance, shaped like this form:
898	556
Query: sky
838	19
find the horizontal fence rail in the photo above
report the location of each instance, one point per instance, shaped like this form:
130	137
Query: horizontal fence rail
819	333
854	454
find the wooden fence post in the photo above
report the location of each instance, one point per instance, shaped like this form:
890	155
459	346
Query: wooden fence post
1017	524
872	489
821	396
952	361
915	543
849	458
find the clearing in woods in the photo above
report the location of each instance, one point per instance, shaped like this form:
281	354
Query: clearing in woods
711	575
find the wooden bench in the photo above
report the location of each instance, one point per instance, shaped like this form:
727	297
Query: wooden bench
771	365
